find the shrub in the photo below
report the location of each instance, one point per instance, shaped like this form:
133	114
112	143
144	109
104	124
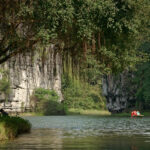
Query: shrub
10	127
46	101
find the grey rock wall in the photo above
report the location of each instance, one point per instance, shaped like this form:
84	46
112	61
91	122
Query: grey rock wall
29	71
119	91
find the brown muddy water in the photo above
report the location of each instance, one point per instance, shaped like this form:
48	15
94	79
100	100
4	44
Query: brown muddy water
83	132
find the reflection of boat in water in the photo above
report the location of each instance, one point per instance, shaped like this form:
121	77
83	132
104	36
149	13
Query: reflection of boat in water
136	114
139	115
133	147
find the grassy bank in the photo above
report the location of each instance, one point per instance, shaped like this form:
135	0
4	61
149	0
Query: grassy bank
11	127
30	114
73	111
124	114
146	114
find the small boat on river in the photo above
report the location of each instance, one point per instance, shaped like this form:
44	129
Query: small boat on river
136	114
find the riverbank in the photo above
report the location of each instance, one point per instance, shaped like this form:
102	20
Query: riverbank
11	127
88	112
30	114
72	111
128	114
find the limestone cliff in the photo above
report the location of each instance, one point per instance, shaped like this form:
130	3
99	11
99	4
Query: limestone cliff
119	91
29	71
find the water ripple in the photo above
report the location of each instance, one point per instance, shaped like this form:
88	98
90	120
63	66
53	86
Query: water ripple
92	126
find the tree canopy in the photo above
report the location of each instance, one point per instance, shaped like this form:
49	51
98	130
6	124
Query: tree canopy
111	29
142	81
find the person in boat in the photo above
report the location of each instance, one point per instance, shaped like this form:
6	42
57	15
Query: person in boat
138	113
135	113
3	113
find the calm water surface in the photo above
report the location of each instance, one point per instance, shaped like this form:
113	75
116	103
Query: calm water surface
84	132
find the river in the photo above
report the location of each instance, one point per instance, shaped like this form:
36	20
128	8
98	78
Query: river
83	132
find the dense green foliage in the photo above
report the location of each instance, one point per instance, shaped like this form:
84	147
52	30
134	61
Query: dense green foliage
142	81
10	127
15	20
81	95
46	102
107	27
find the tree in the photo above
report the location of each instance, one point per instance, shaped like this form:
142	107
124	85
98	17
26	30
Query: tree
112	29
16	31
142	81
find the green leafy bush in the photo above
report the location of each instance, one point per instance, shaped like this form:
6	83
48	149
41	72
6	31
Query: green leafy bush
81	95
10	127
141	81
46	102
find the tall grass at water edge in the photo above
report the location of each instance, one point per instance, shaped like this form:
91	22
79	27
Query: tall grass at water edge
11	127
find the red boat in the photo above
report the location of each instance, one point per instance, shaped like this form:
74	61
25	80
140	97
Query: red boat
136	114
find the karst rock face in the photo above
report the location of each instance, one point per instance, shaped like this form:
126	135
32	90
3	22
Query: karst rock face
119	91
29	71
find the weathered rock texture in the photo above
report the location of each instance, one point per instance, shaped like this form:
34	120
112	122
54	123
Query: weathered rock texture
119	91
32	70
